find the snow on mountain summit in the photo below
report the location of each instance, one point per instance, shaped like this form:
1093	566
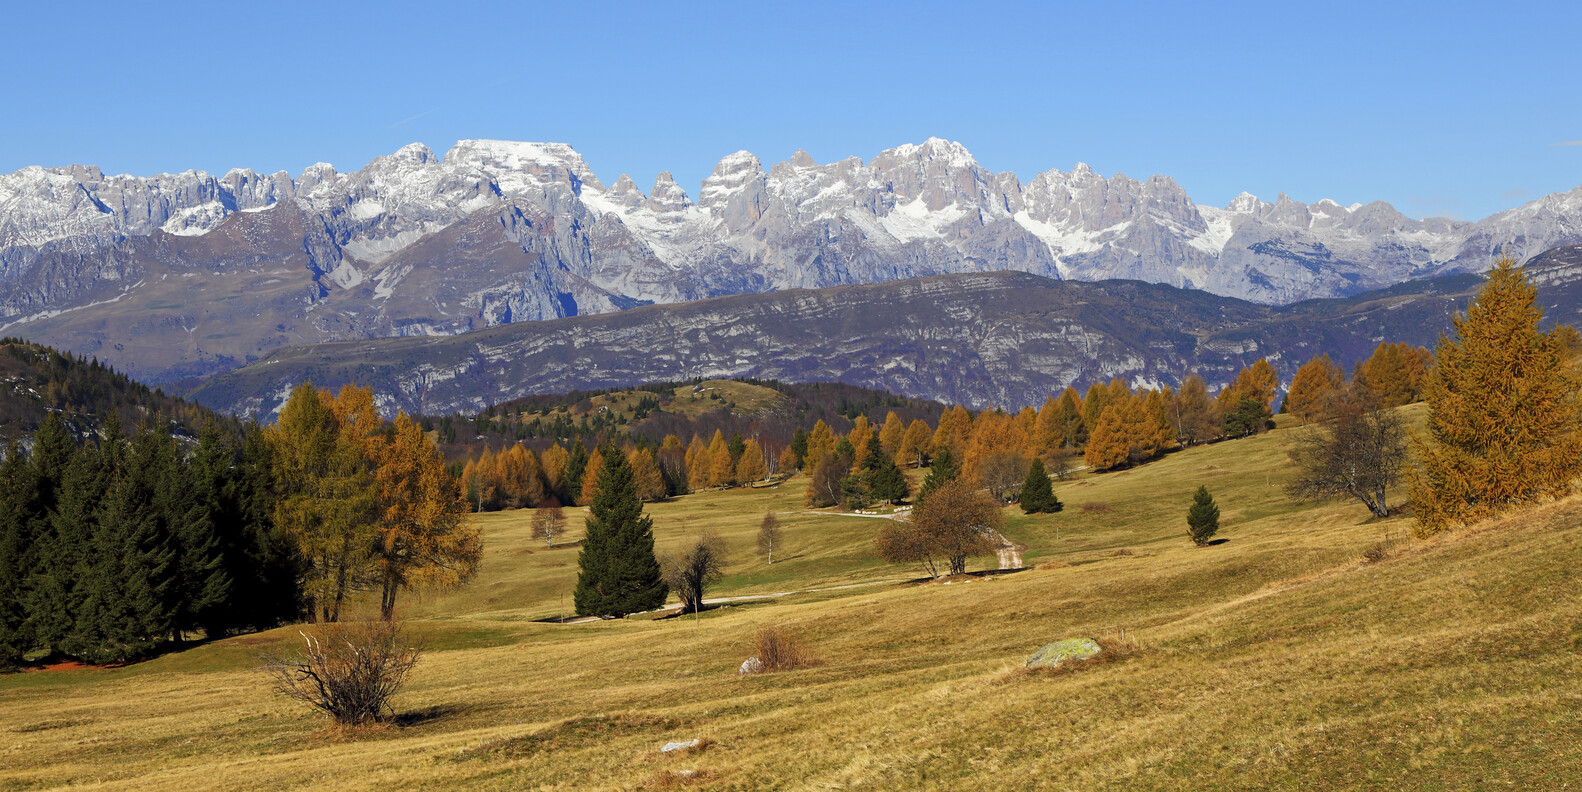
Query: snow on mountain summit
915	209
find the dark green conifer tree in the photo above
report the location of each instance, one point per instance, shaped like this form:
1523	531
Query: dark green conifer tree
52	452
886	482
54	590
619	573
576	465
17	491
1202	517
799	447
1037	496
192	498
263	564
845	450
126	606
943	470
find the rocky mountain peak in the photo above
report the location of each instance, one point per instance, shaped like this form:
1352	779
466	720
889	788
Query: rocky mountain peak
1246	203
509	161
624	192
667	196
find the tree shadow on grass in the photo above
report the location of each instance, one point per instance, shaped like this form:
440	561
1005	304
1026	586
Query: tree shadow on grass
418	717
976	574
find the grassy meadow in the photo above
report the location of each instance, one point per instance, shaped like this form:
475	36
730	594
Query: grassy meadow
1279	658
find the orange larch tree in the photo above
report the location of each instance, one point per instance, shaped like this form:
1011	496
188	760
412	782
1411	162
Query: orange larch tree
1504	419
426	537
892	434
752	467
1315	389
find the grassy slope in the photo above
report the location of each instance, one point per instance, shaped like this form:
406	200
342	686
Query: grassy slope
1274	660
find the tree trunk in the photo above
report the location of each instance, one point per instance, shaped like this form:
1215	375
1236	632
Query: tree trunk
958	565
387	595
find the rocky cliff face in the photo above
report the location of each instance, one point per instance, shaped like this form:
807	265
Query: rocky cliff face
995	339
180	275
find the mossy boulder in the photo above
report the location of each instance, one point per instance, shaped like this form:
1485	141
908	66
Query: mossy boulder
1059	652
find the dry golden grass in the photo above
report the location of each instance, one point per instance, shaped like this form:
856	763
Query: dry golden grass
1278	659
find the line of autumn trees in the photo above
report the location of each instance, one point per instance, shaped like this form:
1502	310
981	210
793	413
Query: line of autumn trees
111	549
1111	426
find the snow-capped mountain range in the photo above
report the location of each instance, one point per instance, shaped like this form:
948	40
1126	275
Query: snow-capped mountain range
499	231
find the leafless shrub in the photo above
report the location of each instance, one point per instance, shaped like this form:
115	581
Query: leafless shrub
349	671
1384	549
780	650
690	573
1096	507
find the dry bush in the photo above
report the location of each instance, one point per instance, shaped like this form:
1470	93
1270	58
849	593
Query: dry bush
1096	507
779	650
1384	549
349	671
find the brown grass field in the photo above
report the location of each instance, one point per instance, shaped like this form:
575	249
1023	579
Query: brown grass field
1277	659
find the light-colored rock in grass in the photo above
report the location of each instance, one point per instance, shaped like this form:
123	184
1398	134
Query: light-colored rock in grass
751	665
680	746
1059	652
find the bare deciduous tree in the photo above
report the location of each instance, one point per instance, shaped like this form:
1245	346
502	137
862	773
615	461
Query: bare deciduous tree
1357	453
549	522
1061	461
691	572
824	486
349	671
769	537
1002	472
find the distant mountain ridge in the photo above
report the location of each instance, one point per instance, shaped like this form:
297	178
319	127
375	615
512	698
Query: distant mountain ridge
182	275
1003	339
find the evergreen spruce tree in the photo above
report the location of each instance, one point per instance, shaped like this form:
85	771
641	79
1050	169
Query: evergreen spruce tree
17	492
1202	517
1504	419
943	470
799	447
65	541
619	573
192	498
845	450
127	604
263	564
576	465
888	483
52	452
1038	497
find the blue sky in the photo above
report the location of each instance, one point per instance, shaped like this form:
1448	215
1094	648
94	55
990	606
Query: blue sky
1438	108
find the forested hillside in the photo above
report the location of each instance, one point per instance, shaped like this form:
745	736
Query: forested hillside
37	381
648	413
